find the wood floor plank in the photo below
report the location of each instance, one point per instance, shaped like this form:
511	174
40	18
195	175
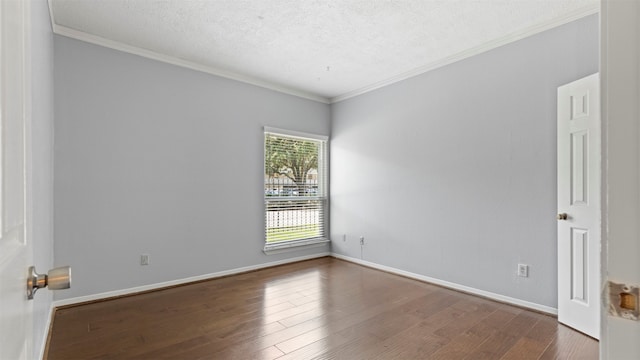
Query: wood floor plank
351	350
464	344
418	341
524	349
502	340
570	344
318	309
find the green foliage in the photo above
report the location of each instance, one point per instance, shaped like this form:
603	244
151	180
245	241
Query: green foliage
289	157
298	232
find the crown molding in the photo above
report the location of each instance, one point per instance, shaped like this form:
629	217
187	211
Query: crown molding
529	31
116	45
515	36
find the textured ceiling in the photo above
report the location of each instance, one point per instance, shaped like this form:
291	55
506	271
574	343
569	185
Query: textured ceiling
323	49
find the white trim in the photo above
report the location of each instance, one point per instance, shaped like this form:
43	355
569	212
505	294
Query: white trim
518	35
47	328
293	133
156	286
447	284
53	23
294	245
450	285
97	40
532	30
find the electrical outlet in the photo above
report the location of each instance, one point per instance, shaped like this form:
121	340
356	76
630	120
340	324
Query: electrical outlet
144	259
361	240
344	237
523	270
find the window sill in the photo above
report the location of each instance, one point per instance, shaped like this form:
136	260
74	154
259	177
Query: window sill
295	245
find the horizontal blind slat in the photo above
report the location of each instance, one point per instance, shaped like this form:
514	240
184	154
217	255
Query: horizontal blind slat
295	200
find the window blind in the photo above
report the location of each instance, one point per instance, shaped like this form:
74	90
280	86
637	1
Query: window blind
295	188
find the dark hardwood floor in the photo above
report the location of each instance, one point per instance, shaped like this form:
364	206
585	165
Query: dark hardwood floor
317	309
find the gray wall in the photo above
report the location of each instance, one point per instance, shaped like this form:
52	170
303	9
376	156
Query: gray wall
158	159
42	161
452	174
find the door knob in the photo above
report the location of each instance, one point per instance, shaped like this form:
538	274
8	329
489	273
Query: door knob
57	279
563	216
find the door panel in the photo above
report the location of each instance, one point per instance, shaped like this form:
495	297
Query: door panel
579	198
15	250
579	268
579	179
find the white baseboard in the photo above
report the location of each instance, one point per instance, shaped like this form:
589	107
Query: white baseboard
447	284
138	289
454	286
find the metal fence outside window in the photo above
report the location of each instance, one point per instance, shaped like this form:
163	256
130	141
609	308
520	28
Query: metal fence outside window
293	211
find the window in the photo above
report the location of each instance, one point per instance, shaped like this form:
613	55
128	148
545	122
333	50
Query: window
295	189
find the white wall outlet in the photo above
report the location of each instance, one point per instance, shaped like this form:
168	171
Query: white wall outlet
361	240
344	237
523	270
144	259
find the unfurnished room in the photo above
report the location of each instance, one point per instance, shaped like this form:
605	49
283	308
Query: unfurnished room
328	179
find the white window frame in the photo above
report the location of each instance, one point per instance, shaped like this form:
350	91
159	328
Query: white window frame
323	194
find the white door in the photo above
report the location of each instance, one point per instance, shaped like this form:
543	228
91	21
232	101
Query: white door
579	205
15	250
